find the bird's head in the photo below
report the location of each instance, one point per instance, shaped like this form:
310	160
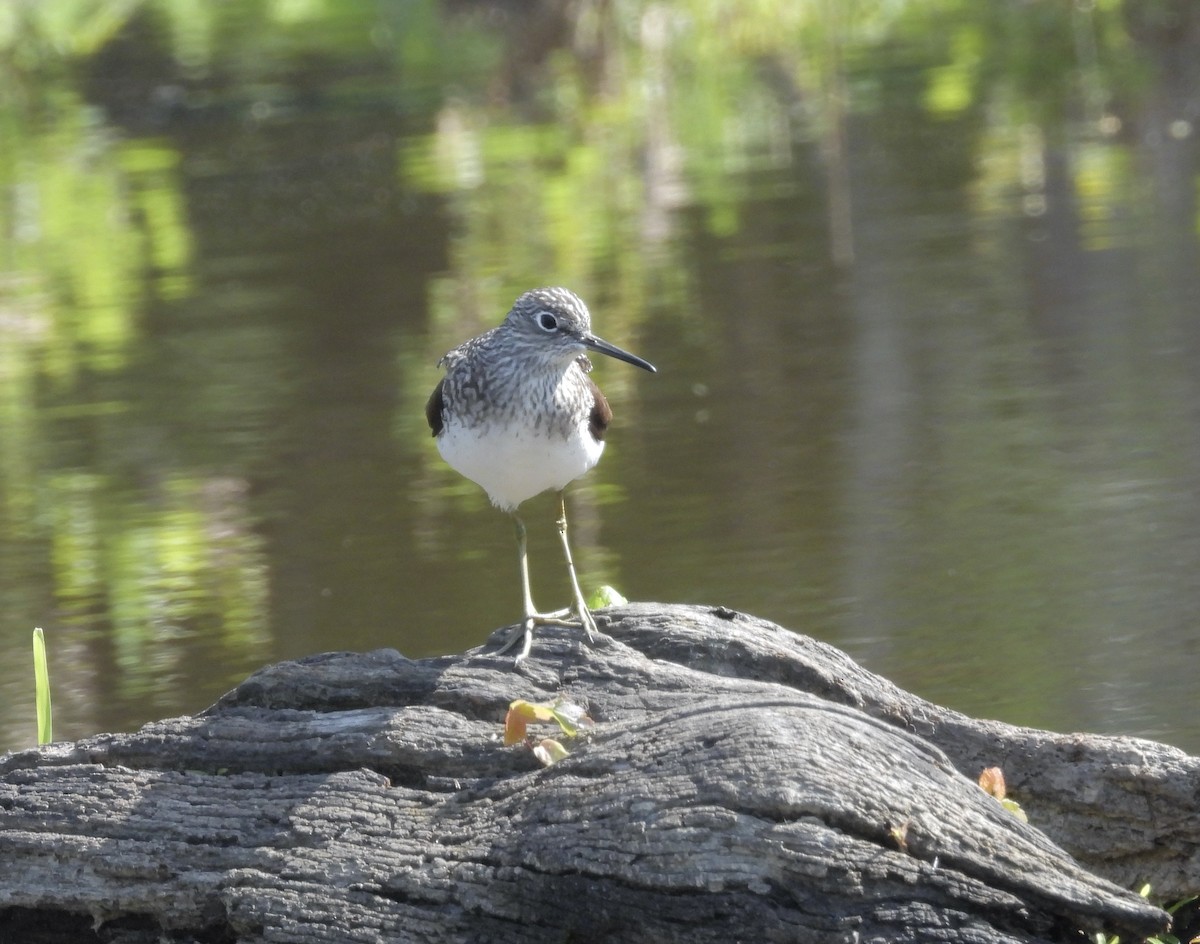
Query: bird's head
556	323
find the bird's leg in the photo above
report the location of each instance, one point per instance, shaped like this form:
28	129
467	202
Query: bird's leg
523	559
585	615
531	616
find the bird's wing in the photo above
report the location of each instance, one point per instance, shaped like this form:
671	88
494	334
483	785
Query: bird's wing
601	414
433	409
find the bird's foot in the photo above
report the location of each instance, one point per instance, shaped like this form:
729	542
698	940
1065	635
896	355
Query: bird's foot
525	631
582	616
586	620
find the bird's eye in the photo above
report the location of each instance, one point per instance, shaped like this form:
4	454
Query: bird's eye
546	321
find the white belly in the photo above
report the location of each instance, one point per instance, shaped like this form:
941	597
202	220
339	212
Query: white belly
514	463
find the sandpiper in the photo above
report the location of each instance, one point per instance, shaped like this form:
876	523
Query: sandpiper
518	415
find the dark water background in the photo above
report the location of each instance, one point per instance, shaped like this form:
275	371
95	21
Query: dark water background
922	283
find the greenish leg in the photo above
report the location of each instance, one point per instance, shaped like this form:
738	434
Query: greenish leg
581	610
531	617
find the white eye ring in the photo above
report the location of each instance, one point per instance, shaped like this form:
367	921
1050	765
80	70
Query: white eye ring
547	322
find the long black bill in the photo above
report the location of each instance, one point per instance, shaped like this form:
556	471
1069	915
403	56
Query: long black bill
601	346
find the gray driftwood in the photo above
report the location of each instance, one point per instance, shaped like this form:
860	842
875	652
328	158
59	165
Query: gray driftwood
741	783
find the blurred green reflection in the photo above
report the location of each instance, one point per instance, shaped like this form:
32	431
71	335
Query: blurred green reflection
920	276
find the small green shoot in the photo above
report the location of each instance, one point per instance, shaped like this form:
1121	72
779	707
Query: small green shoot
603	596
568	716
991	782
41	681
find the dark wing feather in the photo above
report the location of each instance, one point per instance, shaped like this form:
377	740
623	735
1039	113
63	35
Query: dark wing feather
433	409
601	414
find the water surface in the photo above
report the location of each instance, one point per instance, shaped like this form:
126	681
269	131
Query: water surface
922	290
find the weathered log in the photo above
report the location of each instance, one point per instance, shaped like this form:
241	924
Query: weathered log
740	783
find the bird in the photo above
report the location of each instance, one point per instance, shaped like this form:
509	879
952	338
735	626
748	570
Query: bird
517	414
